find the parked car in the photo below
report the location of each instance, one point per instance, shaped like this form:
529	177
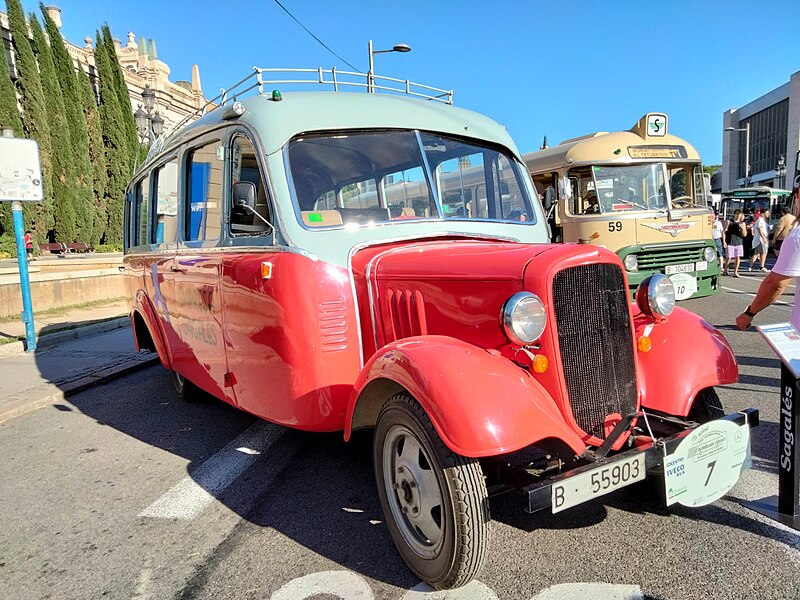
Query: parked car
331	261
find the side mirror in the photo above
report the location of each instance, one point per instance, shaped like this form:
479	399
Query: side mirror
549	198
244	194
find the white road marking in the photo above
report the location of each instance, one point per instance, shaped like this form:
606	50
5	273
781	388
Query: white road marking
590	591
474	590
342	584
190	496
777	303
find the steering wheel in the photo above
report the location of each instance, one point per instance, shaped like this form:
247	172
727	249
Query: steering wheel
683	201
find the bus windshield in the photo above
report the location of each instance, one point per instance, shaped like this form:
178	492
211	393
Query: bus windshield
384	176
646	186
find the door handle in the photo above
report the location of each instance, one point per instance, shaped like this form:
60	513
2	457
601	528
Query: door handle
175	269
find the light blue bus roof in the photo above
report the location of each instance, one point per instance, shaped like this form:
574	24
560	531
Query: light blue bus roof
275	122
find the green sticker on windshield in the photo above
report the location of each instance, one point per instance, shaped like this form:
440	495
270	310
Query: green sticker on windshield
315	217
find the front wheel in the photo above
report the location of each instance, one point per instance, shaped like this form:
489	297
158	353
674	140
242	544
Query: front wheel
706	407
434	500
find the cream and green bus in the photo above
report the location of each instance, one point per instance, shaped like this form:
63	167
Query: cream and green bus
640	193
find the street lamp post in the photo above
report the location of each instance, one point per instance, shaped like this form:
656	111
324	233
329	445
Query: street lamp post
371	72
149	123
780	171
746	129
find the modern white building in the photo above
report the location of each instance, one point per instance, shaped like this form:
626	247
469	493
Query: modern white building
758	134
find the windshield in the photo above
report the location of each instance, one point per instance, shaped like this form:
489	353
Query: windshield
388	176
651	186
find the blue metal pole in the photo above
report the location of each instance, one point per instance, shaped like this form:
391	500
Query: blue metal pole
24	280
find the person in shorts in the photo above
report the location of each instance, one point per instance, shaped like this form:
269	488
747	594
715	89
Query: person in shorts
735	232
760	242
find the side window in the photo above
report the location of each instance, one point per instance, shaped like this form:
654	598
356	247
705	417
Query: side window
166	217
143	201
204	198
247	220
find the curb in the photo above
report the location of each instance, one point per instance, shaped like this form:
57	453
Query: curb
50	339
51	397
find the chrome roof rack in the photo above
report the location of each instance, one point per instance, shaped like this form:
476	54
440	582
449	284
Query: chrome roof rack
328	77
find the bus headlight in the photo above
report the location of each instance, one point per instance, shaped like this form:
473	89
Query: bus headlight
710	254
631	262
523	317
655	296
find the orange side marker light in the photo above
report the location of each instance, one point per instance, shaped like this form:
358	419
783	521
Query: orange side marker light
540	363
266	270
645	344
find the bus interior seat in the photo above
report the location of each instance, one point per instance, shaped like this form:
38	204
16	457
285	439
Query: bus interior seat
364	215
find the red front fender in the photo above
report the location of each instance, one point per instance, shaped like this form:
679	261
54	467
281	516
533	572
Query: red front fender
688	355
480	403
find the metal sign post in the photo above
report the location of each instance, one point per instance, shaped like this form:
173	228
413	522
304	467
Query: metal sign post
20	181
785	341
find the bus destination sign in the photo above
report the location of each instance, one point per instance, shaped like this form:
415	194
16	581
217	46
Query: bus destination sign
660	151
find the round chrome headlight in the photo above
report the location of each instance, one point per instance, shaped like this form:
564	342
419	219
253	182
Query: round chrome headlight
656	296
710	254
523	317
631	262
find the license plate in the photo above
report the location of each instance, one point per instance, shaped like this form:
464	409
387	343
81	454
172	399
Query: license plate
684	268
597	482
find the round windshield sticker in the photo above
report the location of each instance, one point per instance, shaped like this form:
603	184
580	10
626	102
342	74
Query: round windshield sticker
685	285
707	463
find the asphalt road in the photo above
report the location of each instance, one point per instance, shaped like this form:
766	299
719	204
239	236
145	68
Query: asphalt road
125	492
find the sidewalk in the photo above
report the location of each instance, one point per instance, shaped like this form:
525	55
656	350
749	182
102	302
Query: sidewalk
76	348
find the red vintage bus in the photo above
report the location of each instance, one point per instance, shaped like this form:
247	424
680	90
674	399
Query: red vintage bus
331	261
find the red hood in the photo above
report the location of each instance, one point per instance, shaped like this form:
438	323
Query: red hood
455	260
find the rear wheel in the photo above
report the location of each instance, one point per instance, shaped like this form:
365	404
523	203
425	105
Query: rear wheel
434	500
186	390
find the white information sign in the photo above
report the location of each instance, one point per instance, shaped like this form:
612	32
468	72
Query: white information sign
685	285
20	170
707	463
656	125
785	341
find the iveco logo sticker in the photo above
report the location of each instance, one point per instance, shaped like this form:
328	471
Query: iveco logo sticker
671	228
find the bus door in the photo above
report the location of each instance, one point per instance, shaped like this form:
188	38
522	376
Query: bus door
196	272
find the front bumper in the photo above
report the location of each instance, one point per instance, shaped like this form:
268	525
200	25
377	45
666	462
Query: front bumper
538	496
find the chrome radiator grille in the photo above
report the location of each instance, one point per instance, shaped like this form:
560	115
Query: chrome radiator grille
594	334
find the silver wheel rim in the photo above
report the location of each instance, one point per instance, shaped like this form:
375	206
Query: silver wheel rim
413	491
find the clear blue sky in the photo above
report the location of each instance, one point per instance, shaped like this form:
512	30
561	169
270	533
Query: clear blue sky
560	69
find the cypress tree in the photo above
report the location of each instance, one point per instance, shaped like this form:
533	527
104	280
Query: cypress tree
118	159
9	117
97	154
78	134
62	177
9	111
38	216
131	137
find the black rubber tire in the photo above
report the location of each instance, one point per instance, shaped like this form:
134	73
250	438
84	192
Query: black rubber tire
186	390
706	407
461	517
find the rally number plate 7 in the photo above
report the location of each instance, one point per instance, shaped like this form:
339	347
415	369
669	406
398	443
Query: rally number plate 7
597	482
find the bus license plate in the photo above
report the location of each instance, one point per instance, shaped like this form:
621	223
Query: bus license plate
597	482
684	268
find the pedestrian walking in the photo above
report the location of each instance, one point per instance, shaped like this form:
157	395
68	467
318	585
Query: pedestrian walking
760	241
718	235
785	268
735	232
782	228
28	239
